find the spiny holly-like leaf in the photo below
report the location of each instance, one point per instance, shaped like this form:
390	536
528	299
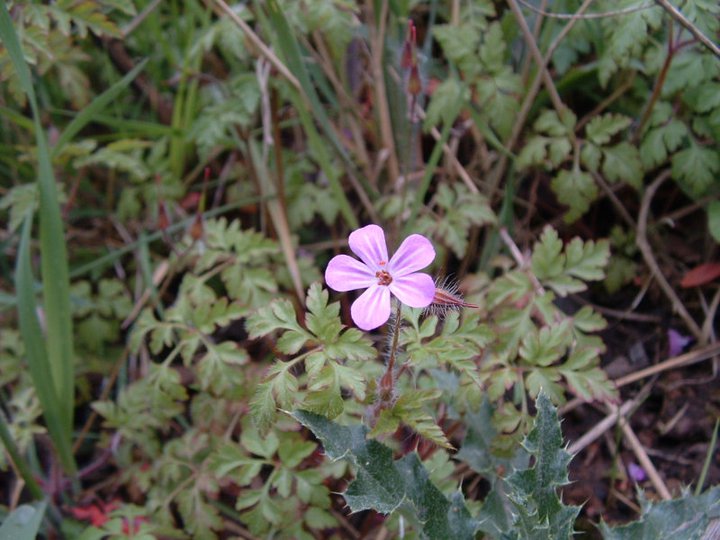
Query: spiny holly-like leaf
533	491
385	485
576	189
687	517
477	447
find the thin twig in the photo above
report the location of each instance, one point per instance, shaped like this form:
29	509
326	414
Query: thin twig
560	107
641	455
602	426
646	250
139	18
377	42
687	359
692	357
694	30
221	8
603	15
708	328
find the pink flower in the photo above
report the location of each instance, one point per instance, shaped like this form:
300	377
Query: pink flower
381	276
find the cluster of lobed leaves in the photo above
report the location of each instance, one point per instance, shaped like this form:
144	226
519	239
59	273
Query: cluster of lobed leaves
663	112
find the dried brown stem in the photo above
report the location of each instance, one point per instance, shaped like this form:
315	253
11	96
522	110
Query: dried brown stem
377	45
647	253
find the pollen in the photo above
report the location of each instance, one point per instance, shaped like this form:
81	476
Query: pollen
384	278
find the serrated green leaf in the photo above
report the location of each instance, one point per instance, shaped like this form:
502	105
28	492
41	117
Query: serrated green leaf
576	189
588	320
696	168
659	142
386	486
409	409
622	163
558	150
511	287
547	258
590	157
546	346
550	124
546	380
533	152
586	260
444	102
262	406
601	128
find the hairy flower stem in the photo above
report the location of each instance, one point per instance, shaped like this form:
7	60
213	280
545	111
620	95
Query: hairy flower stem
387	382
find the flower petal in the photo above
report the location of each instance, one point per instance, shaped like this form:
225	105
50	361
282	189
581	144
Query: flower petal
372	308
344	273
368	243
414	254
416	290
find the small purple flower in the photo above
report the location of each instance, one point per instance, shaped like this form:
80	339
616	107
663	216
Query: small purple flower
677	342
381	276
636	472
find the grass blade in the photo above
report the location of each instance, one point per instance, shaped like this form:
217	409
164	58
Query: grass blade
37	358
278	217
89	113
708	459
54	264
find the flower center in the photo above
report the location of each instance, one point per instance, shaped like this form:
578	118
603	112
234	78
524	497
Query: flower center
384	278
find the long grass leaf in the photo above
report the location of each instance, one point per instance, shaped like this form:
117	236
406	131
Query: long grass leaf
54	264
89	113
35	350
278	217
427	177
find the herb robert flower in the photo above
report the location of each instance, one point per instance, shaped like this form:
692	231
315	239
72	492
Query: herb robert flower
382	276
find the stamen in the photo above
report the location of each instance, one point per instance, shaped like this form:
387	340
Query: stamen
384	278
